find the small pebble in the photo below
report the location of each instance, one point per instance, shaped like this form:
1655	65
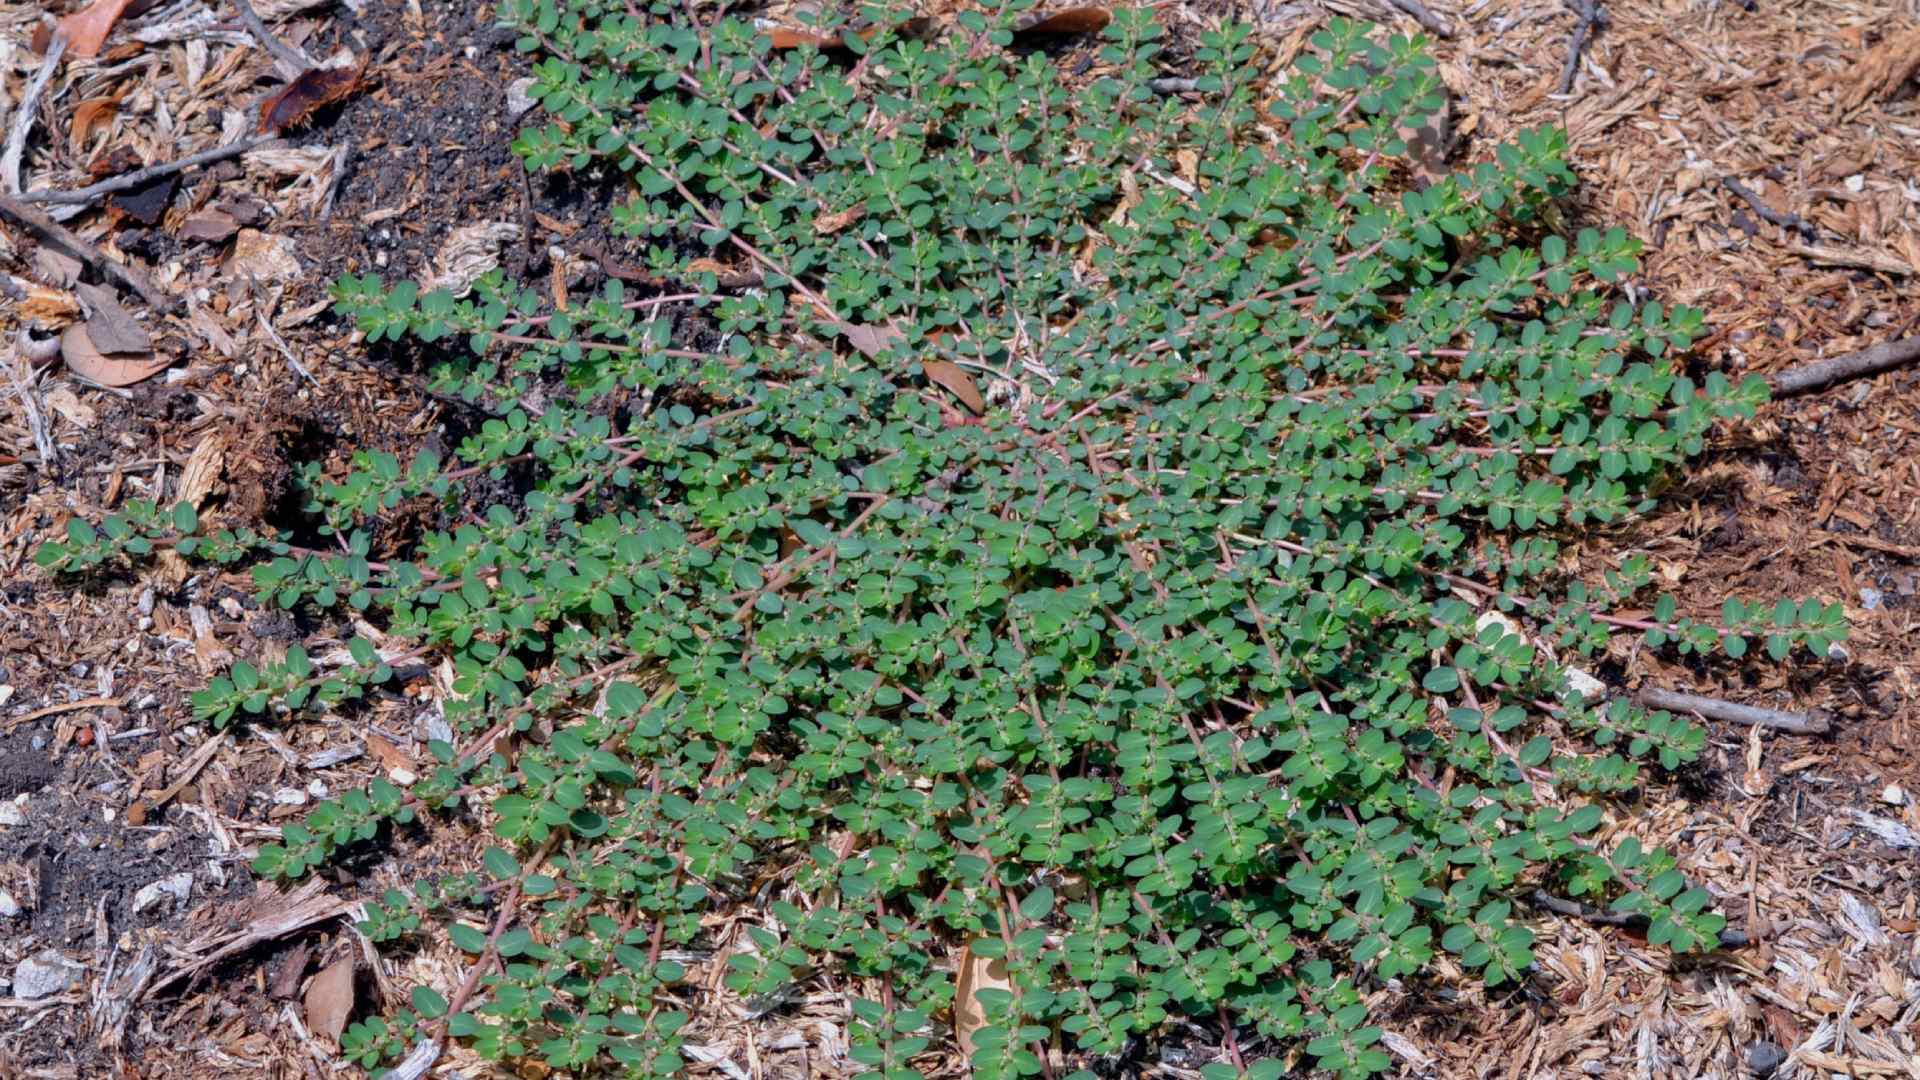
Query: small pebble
45	974
38	742
520	98
178	886
1894	795
9	907
12	815
290	797
1764	1057
1871	599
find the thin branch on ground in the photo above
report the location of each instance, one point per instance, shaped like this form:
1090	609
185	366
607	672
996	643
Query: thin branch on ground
1592	18
1573	909
142	177
1838	369
28	110
1733	713
58	236
281	51
1426	18
1790	222
1832	255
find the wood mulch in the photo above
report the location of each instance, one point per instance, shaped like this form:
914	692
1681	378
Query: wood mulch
1765	152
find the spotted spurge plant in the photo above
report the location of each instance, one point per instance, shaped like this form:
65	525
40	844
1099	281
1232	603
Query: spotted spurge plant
1074	543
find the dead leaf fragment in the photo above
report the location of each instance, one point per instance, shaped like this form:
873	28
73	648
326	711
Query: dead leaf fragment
955	378
828	224
313	90
55	267
86	29
211	225
114	162
976	973
1428	146
110	327
470	252
1087	19
870	340
63	400
85	359
330	1000
87	116
148	204
262	257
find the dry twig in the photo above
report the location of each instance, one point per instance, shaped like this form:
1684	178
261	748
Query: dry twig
278	915
1573	909
1790	222
1592	18
141	177
52	232
1830	255
1732	713
55	710
283	52
23	119
1837	369
1426	18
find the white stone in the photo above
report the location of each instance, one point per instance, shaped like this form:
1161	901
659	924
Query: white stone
178	886
45	974
1894	795
520	98
287	796
1495	618
11	814
1590	688
9	907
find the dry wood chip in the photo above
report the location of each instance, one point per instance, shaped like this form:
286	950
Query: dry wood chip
211	225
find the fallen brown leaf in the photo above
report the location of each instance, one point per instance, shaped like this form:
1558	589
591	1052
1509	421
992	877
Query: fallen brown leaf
828	224
87	361
1087	19
871	340
114	162
976	973
87	28
330	1000
391	756
314	89
109	326
955	378
87	116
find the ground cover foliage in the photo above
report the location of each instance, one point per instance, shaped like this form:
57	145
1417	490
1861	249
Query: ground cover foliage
1075	553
